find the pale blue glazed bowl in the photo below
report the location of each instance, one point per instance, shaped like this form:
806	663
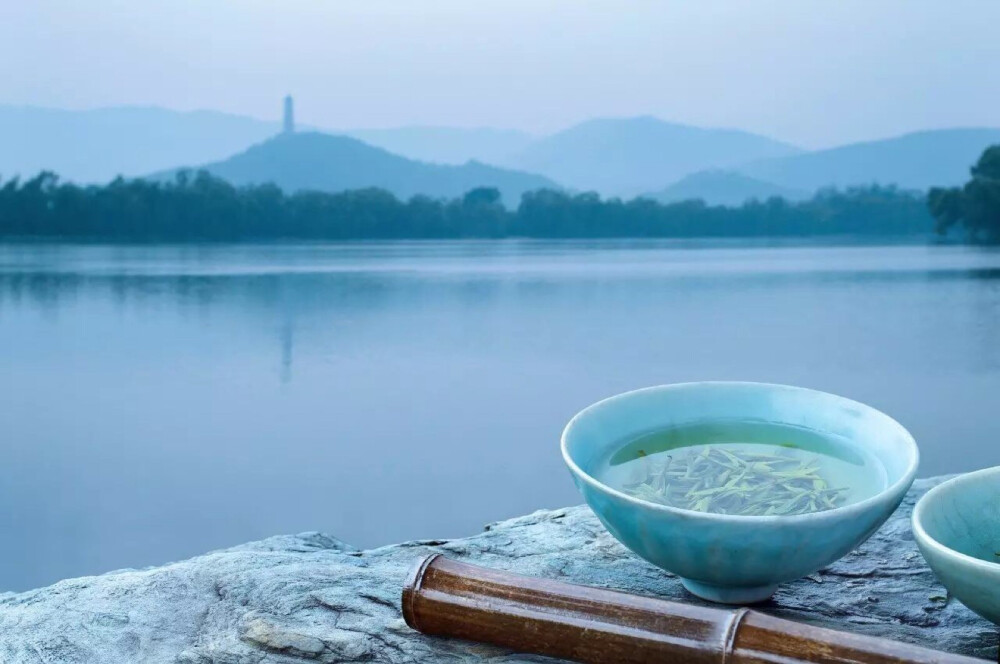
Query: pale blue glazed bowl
957	527
726	558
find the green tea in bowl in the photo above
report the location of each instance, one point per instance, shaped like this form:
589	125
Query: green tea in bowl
737	487
744	468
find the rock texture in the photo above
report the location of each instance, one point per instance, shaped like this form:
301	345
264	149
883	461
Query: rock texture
311	597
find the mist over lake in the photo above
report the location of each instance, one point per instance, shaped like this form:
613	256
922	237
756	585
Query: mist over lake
159	402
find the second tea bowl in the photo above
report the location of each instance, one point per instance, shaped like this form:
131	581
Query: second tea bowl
957	528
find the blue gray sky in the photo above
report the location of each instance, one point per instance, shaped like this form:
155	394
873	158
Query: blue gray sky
813	73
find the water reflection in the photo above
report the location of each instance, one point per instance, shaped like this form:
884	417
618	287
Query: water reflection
160	402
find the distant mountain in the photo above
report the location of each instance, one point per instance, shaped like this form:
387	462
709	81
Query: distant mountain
628	156
912	161
97	145
724	188
326	162
447	145
621	157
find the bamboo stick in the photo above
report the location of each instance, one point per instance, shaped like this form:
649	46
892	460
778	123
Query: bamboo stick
444	597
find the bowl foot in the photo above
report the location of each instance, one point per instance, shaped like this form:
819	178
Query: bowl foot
729	594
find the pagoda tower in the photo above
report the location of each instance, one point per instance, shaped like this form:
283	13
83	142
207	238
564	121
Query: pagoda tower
289	115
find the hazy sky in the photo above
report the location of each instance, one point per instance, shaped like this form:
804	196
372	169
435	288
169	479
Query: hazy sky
815	73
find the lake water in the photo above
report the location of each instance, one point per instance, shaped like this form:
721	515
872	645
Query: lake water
156	403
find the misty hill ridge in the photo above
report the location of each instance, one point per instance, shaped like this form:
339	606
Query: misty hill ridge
327	162
919	160
628	156
724	188
625	156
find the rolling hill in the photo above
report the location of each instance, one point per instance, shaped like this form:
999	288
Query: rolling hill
622	157
724	188
628	156
327	162
97	145
912	161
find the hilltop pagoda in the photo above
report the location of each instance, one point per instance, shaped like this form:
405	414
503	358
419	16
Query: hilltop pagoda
289	122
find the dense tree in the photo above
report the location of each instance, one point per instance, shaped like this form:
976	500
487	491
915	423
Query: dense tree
199	206
976	206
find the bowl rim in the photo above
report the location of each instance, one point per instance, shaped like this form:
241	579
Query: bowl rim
923	537
904	481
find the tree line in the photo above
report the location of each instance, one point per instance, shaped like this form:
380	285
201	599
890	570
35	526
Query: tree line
974	207
196	206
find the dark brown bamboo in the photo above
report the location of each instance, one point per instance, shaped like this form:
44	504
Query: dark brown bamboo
443	597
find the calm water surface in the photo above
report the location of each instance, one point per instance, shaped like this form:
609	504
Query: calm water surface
156	403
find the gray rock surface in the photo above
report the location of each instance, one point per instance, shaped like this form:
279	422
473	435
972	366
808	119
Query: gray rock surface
311	597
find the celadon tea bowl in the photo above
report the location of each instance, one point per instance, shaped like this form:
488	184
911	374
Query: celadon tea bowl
957	527
728	558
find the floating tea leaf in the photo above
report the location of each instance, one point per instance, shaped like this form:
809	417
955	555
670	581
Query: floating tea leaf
723	481
701	468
